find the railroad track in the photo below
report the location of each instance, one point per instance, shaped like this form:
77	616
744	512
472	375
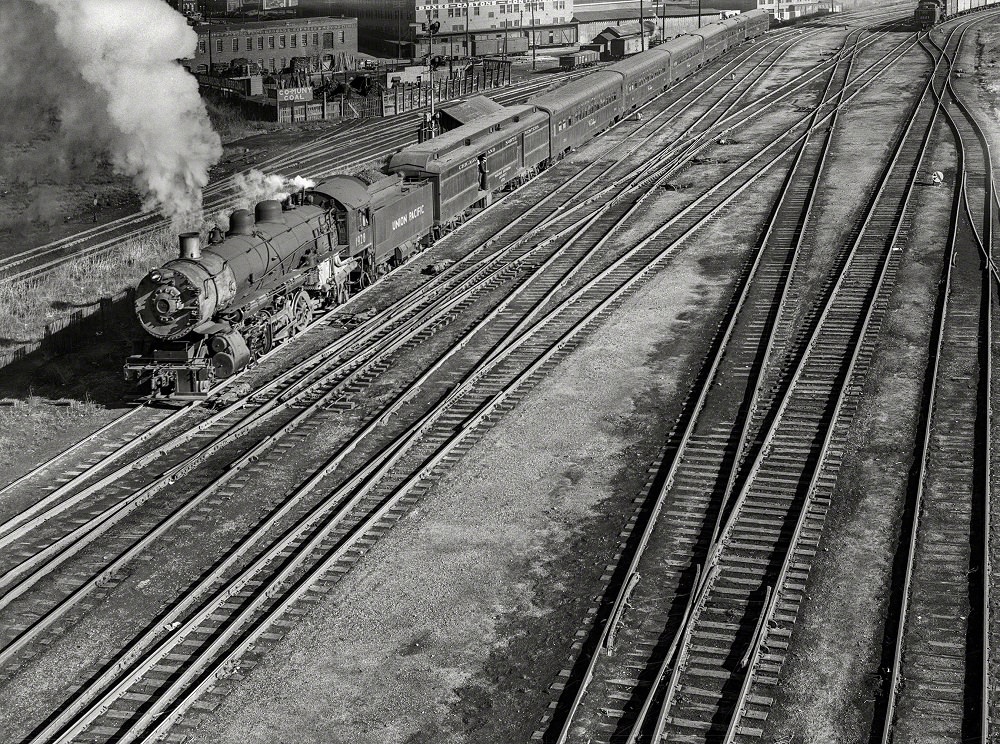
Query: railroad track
938	631
508	335
683	628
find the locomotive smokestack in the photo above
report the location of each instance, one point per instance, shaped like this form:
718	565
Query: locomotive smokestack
190	245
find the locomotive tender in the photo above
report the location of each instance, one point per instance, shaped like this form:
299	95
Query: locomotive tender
931	12
215	309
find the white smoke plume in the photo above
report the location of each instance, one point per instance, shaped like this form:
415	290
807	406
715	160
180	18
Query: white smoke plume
92	80
255	186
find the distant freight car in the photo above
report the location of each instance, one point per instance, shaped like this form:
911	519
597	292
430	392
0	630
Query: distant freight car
930	12
574	60
625	47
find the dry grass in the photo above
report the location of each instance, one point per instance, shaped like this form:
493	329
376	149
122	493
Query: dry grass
232	125
37	420
27	306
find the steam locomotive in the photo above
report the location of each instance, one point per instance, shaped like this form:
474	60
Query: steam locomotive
216	308
931	12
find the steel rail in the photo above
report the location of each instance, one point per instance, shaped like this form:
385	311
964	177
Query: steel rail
381	464
569	301
612	187
91	530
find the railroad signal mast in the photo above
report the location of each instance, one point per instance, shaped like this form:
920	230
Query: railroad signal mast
428	127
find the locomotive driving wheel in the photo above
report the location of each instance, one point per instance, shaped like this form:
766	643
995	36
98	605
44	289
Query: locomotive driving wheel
302	311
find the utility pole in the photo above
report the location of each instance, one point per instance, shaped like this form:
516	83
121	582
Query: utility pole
699	13
642	28
534	41
468	20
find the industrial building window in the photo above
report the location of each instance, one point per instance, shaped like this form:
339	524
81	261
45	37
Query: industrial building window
341	36
260	43
281	42
284	63
249	43
315	39
295	40
305	39
270	42
236	45
201	47
436	14
272	64
451	13
218	45
475	11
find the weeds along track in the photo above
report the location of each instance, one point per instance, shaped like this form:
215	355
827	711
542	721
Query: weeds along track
937	632
675	649
345	388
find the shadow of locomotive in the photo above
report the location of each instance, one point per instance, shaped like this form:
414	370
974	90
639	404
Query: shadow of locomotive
78	357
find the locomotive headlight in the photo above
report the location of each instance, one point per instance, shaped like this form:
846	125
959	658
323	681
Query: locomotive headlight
155	276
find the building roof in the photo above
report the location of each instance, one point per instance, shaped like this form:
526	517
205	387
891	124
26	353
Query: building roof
229	26
471	109
623	31
622	13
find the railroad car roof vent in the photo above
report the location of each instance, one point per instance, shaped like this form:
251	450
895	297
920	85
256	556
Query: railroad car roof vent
268	211
240	222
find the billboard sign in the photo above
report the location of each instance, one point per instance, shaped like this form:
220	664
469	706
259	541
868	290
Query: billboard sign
291	95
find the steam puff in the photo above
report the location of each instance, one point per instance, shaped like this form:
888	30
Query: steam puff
106	73
255	186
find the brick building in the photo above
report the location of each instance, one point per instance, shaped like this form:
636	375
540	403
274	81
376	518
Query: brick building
384	27
273	43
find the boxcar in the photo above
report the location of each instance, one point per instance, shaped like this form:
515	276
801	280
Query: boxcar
624	47
581	108
582	58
